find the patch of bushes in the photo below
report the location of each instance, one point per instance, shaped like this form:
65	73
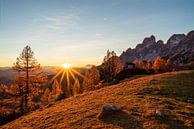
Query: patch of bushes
5	118
126	73
9	116
151	71
162	70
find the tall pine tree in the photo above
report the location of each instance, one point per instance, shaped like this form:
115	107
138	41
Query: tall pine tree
30	75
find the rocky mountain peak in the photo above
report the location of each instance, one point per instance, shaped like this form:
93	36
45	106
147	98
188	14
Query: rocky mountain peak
129	49
149	40
160	42
179	47
176	39
190	34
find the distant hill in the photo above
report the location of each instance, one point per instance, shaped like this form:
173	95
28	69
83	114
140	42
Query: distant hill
7	74
179	48
171	94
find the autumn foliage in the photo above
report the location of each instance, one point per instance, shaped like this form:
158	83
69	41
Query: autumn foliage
30	77
111	66
92	78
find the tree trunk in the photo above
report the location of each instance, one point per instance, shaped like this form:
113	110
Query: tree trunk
21	105
27	82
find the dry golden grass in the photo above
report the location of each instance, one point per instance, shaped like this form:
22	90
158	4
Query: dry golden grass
170	93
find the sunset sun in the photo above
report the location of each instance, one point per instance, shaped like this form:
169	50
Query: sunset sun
66	65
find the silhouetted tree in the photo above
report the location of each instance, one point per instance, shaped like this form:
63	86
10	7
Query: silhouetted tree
29	72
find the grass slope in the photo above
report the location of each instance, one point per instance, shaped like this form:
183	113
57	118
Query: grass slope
170	93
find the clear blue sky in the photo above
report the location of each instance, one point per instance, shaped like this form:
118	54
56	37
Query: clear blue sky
80	31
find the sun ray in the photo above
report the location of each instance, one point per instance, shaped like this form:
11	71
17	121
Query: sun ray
68	82
78	74
62	77
66	73
58	73
71	73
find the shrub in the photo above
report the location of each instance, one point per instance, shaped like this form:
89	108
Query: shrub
7	117
126	73
151	71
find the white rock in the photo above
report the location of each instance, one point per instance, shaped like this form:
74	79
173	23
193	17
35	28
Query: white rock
158	113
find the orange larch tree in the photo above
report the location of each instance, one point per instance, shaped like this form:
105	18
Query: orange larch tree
30	76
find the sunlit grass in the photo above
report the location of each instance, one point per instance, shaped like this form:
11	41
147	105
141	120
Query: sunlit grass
140	99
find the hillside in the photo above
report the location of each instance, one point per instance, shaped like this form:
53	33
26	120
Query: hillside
169	93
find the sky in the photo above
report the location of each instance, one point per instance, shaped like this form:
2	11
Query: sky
81	31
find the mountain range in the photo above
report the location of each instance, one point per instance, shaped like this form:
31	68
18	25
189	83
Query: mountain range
179	48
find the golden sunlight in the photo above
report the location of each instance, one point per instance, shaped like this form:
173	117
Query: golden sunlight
67	78
66	65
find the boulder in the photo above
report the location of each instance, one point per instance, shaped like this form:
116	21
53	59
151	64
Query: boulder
109	110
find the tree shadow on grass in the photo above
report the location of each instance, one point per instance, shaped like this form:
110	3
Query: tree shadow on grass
178	86
171	121
122	119
168	93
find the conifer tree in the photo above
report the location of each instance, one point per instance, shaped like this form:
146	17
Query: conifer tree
30	73
76	87
92	78
159	64
111	66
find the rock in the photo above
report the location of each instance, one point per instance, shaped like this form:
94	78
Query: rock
175	39
160	42
107	107
108	110
158	113
116	108
81	123
149	40
190	34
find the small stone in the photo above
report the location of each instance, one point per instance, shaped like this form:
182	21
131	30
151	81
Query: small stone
109	110
158	113
107	107
116	108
